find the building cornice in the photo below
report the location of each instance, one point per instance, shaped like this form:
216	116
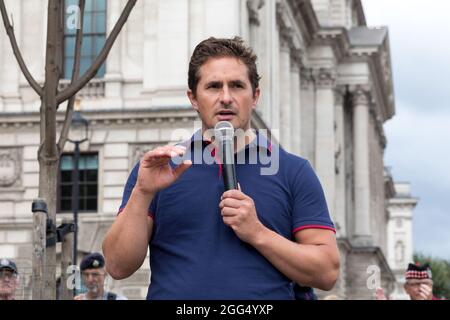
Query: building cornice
153	115
337	38
403	202
379	62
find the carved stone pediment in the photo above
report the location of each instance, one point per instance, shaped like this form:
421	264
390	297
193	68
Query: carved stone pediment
10	167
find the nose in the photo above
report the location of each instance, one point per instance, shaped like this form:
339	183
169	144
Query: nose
226	97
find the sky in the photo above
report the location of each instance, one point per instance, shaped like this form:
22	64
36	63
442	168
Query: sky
418	149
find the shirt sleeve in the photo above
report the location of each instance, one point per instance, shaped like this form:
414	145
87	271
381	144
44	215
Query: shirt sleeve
129	186
310	209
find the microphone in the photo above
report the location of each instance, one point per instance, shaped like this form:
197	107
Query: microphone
224	133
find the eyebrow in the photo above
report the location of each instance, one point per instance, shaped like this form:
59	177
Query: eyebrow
237	82
220	83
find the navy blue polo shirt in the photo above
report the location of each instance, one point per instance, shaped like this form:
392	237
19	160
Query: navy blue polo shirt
194	255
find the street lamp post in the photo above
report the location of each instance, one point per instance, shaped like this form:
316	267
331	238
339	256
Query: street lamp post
78	134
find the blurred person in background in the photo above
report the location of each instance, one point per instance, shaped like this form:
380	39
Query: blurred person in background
8	279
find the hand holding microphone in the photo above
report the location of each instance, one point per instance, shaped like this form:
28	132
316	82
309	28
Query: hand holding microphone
238	209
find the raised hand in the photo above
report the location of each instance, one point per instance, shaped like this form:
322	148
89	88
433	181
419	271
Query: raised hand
155	172
425	292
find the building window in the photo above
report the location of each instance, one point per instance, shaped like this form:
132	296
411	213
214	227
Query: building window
88	183
94	37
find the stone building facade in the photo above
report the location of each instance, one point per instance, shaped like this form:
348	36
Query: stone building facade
399	236
326	92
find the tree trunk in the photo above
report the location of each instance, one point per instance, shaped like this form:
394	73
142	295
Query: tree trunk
48	153
49	150
39	240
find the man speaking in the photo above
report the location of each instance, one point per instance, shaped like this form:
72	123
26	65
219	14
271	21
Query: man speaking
253	242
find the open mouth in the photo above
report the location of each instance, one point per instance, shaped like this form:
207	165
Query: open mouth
226	113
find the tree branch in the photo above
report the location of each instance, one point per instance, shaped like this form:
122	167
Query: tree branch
12	38
75	73
100	59
51	79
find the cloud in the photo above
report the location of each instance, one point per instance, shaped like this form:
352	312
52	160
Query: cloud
418	147
420	48
419	152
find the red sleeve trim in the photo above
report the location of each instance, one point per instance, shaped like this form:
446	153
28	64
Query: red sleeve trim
313	226
150	214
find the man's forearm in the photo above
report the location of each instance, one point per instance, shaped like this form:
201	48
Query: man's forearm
125	245
307	264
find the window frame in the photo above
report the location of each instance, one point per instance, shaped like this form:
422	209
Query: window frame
65	73
59	186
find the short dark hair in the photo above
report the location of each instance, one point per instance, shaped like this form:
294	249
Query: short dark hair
222	47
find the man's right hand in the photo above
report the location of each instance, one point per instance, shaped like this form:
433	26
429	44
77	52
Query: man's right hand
155	172
425	292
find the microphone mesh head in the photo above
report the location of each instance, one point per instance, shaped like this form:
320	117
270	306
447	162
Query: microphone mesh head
224	130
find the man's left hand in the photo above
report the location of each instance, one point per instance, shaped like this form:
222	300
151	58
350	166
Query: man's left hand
239	212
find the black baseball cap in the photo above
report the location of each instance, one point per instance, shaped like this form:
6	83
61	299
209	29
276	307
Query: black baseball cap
8	264
92	261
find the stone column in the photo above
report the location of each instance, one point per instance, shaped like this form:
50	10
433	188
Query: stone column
308	116
150	82
257	44
113	75
253	7
296	117
324	132
340	159
285	88
265	60
362	229
196	23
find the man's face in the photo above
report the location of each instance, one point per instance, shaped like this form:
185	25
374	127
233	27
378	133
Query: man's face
94	279
8	282
419	289
224	92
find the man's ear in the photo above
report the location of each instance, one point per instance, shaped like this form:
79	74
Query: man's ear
256	97
192	99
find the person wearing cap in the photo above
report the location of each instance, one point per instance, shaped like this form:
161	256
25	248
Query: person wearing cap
93	273
418	284
8	279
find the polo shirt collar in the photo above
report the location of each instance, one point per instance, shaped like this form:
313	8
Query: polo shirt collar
260	141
